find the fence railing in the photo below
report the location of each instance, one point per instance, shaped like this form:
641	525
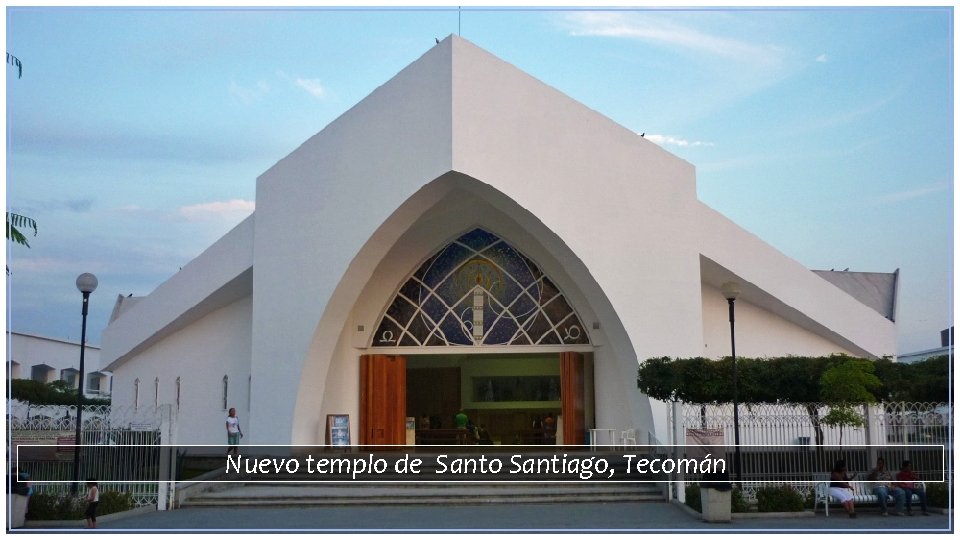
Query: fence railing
121	447
790	443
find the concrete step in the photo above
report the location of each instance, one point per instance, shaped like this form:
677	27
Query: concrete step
287	494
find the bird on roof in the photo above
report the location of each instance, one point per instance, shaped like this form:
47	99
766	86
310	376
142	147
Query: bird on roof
437	40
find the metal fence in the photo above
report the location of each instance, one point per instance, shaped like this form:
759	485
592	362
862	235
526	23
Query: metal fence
122	447
790	443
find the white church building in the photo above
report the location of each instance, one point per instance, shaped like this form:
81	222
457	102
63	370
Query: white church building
468	238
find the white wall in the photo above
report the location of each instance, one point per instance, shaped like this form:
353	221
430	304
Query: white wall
316	209
200	355
778	283
29	350
758	332
218	276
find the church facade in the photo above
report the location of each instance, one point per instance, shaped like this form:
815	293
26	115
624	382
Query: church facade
466	238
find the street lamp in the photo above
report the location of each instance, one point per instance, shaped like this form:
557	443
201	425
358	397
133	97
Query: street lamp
86	284
730	291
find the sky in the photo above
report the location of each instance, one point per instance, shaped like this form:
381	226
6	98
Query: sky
135	136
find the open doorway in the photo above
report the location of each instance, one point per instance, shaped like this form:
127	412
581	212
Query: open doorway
508	396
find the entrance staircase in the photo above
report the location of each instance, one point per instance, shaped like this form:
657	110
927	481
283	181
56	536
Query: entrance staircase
303	490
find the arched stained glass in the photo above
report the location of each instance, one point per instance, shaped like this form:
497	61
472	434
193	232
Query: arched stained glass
479	290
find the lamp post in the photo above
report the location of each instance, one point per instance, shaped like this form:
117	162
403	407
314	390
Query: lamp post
86	284
730	291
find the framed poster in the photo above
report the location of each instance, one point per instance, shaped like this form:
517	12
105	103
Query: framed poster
338	430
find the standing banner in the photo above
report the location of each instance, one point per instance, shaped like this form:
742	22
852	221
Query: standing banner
701	442
338	430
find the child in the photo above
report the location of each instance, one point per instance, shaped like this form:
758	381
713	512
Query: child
93	498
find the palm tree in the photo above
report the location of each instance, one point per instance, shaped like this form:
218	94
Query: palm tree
15	222
14	61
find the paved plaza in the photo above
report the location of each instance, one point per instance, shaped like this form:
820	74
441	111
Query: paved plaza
581	517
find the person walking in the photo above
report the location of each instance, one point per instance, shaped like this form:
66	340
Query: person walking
93	499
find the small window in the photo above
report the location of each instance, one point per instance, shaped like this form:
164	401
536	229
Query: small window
69	376
156	392
136	393
93	383
178	393
224	392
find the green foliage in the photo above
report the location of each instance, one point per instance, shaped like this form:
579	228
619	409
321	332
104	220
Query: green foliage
15	222
938	495
54	393
737	502
926	381
692	492
842	415
795	379
112	502
44	506
852	381
779	499
791	379
15	62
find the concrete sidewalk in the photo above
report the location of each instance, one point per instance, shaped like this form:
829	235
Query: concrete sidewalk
582	517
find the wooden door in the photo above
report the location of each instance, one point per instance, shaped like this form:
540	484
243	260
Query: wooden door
383	399
572	398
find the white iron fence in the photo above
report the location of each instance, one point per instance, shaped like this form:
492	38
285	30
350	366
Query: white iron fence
790	443
122	448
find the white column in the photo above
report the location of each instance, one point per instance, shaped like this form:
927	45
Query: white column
676	433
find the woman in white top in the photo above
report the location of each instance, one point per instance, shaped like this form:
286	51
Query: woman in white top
234	433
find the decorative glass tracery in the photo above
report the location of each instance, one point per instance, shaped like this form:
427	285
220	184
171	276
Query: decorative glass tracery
479	290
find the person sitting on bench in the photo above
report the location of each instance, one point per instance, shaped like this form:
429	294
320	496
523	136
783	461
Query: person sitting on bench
907	481
883	487
840	488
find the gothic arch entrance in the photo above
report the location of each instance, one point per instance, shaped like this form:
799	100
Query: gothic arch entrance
476	295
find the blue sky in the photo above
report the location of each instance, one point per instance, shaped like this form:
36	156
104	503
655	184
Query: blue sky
135	136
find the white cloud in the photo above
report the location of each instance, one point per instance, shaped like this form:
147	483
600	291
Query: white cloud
232	209
659	30
916	193
674	141
248	95
823	58
313	87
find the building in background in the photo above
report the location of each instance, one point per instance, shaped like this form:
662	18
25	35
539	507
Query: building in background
945	348
46	360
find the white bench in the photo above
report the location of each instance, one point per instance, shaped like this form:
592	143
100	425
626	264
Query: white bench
862	493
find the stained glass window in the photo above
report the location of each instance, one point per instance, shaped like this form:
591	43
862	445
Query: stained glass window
479	290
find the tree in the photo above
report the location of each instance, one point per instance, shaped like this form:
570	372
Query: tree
852	381
15	222
793	379
15	62
925	381
52	393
